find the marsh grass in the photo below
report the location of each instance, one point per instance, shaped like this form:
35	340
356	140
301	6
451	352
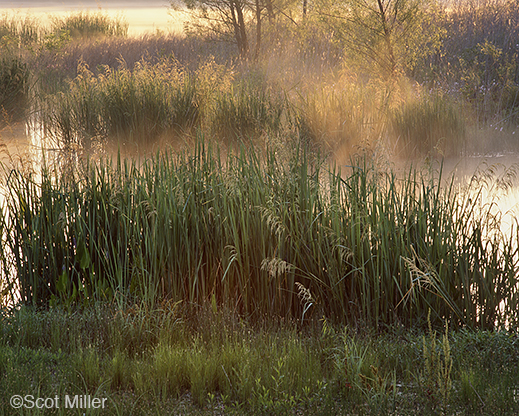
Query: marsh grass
430	125
159	282
248	109
479	73
168	103
14	87
88	24
19	31
243	229
214	362
341	117
127	107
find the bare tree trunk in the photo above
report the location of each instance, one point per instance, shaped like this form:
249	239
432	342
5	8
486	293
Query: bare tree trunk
391	67
270	11
258	30
238	23
305	4
244	48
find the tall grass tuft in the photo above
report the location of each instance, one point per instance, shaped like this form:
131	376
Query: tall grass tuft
247	109
17	31
342	116
87	24
129	107
14	86
247	230
428	125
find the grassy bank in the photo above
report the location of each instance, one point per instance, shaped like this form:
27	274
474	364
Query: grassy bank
170	362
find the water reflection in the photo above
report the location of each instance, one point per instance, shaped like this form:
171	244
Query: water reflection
496	177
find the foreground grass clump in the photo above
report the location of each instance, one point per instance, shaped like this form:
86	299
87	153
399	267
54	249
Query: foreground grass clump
277	232
171	360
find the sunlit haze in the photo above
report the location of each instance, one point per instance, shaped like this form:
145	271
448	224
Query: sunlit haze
141	16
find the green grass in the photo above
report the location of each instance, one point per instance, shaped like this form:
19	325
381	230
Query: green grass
14	85
213	362
127	107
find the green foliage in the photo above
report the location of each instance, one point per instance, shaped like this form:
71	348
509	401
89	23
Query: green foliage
368	245
479	57
387	37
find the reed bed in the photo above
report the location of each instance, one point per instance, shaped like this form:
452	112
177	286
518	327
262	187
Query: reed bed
261	234
14	80
166	101
88	24
124	106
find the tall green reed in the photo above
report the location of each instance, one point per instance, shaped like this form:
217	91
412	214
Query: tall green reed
248	230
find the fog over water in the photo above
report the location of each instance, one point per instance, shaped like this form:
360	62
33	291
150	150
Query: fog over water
141	16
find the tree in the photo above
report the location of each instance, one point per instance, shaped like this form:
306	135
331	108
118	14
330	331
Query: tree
386	37
225	19
220	18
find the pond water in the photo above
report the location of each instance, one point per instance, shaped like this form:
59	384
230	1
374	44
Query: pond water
142	17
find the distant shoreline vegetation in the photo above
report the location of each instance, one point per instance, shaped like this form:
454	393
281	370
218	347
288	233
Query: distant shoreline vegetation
448	99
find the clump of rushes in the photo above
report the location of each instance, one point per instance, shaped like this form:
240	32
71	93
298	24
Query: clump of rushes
247	109
428	125
134	107
85	24
17	31
244	229
14	84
